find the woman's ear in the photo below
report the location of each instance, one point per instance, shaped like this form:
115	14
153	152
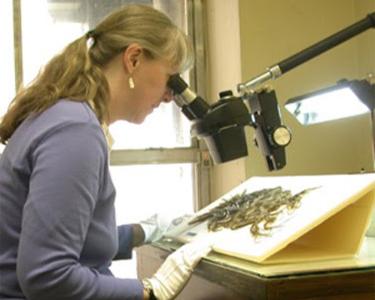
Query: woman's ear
131	57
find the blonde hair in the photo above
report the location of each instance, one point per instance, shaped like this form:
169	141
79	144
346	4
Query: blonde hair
76	73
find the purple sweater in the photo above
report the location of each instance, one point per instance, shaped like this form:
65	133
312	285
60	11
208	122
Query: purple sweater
58	232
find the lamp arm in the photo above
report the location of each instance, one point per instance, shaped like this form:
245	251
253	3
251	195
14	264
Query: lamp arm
308	53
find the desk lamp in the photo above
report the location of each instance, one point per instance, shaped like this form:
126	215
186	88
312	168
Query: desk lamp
345	99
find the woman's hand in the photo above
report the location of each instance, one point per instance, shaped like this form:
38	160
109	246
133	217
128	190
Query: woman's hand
174	273
158	224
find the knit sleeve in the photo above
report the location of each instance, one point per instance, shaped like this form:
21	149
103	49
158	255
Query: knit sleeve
67	166
125	242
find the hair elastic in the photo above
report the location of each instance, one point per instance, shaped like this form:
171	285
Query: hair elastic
91	38
90	34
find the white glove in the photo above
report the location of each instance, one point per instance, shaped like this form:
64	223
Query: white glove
174	273
157	225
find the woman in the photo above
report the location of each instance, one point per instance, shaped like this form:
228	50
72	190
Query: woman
57	226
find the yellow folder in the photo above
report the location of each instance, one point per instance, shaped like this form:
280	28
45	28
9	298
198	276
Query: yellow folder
330	222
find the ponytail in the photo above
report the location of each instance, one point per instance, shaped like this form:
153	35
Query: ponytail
70	74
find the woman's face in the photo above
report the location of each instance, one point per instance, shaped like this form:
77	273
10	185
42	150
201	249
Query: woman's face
150	78
150	88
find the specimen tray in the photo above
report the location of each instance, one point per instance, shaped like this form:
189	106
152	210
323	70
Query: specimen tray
329	223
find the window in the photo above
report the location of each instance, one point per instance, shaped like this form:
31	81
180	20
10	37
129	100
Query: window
155	165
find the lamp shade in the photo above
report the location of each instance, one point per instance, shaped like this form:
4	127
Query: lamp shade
345	99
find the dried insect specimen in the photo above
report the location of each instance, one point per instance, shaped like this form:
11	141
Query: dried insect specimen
258	209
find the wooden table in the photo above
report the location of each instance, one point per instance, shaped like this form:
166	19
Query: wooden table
221	277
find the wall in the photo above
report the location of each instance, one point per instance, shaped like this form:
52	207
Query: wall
366	41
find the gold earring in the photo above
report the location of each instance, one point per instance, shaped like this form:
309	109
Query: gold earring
131	83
